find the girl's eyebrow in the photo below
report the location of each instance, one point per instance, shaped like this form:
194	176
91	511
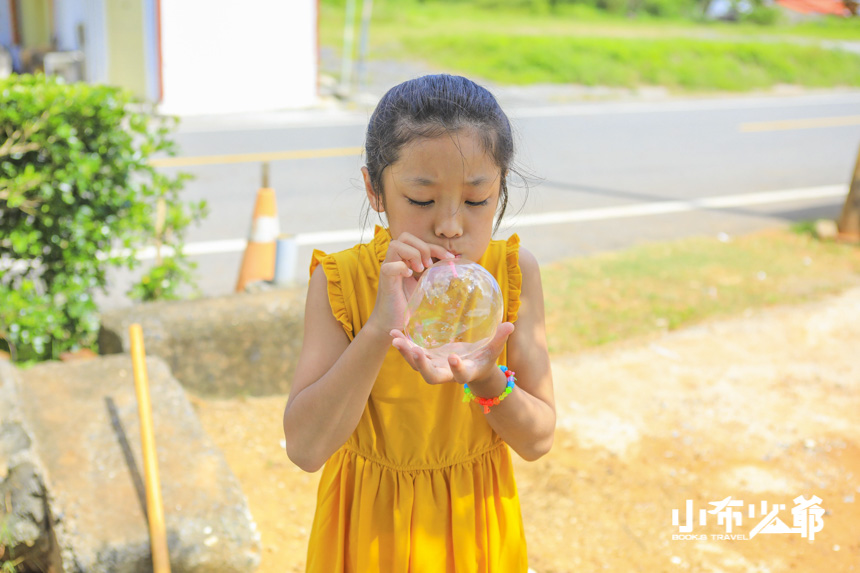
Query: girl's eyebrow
477	181
427	182
419	180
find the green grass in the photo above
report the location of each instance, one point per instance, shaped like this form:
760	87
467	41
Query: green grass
583	45
831	28
646	290
674	62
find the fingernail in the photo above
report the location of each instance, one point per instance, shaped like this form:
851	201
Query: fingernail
450	255
428	263
409	273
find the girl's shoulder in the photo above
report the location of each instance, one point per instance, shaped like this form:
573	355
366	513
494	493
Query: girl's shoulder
530	295
502	260
527	261
501	250
363	255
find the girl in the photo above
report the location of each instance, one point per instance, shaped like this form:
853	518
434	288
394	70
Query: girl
415	479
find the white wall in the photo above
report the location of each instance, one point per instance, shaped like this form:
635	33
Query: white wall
67	15
96	56
221	56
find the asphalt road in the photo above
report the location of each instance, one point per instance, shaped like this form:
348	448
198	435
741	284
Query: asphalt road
601	176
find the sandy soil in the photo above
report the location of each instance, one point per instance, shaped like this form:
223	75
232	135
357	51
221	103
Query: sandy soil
762	408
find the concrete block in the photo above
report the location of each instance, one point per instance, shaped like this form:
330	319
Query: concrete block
24	520
85	430
240	344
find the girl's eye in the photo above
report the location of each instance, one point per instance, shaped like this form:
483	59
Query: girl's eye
428	203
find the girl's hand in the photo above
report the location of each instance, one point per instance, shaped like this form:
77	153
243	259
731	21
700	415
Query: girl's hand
407	257
479	366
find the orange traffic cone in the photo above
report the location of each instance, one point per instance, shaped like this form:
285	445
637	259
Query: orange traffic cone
258	263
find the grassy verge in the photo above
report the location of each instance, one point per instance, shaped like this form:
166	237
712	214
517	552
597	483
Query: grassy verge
831	27
674	62
652	288
583	45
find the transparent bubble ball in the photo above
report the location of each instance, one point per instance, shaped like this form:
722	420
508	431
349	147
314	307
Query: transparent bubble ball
455	309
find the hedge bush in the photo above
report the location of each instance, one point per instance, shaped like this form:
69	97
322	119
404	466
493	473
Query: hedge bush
78	196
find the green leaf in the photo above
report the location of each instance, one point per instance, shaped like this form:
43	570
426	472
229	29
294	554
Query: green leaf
79	184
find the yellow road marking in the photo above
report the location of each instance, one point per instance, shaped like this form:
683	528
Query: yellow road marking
255	157
801	123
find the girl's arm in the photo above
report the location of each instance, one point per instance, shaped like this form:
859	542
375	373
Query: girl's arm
332	383
525	420
334	376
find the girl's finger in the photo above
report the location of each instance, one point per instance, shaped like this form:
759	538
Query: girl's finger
499	339
422	247
405	342
440	252
418	359
459	369
408	253
395	269
431	373
405	352
428	251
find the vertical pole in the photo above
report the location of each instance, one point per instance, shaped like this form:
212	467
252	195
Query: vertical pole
319	57
159	53
849	221
154	509
364	38
348	38
13	16
265	175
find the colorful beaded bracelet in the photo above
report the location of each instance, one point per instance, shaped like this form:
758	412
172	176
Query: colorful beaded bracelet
487	402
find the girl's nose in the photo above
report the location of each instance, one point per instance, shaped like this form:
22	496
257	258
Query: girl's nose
449	225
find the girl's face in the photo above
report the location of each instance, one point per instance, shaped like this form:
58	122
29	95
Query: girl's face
443	190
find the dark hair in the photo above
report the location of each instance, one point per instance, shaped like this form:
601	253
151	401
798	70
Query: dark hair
428	107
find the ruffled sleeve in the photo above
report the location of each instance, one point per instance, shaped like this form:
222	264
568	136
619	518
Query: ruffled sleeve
515	276
334	288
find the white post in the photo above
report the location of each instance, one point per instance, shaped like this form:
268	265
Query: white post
286	256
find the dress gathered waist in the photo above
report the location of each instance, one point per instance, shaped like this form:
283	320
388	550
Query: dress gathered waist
468	458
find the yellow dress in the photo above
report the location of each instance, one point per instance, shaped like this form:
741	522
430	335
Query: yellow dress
424	484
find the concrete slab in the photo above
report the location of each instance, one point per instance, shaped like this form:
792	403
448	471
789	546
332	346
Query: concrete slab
86	432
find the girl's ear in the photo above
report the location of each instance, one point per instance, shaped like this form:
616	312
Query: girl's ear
373	198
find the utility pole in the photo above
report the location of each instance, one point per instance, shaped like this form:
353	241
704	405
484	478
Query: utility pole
348	41
849	221
364	39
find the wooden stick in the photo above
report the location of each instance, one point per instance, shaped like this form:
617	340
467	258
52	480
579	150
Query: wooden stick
154	509
849	221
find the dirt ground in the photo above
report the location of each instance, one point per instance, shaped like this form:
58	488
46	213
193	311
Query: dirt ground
763	408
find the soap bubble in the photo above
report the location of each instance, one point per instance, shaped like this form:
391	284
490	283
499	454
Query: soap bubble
455	309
